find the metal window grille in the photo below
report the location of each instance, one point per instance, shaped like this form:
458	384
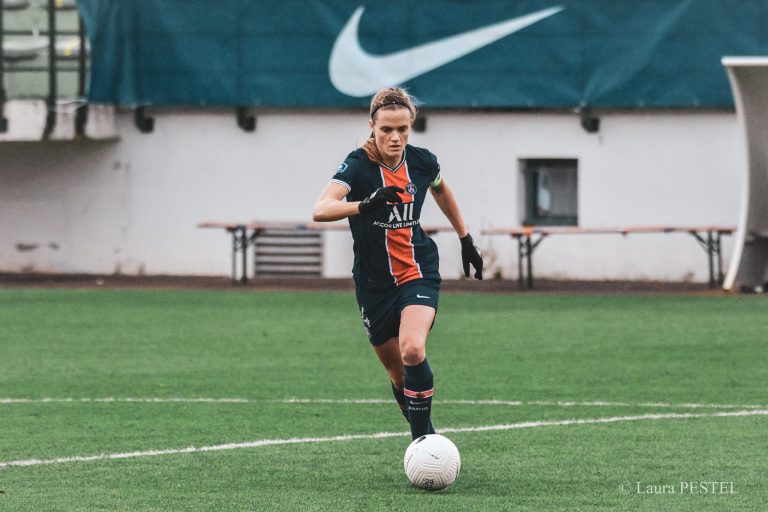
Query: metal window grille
288	252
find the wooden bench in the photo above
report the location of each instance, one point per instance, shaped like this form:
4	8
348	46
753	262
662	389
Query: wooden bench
529	237
245	234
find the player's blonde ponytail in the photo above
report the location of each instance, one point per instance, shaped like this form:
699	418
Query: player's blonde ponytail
386	99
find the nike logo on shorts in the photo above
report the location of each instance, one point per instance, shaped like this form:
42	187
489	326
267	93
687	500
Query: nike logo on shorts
422	296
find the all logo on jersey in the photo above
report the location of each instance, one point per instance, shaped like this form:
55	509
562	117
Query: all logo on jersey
400	216
342	167
407	213
411	188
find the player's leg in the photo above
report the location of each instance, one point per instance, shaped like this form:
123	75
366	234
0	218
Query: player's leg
415	322
389	355
382	322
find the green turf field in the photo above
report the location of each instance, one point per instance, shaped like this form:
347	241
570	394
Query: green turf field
300	367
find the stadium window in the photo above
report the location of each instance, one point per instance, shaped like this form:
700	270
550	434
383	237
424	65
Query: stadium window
551	191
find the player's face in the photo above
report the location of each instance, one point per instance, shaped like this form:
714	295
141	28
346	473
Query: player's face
391	129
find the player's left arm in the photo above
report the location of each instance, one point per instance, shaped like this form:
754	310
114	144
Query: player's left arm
446	201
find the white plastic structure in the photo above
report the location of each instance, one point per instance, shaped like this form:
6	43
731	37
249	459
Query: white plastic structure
24	49
748	269
15	5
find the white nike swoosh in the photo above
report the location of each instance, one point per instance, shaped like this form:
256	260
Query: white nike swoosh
422	296
355	72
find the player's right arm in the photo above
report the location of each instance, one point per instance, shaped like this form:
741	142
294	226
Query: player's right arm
330	207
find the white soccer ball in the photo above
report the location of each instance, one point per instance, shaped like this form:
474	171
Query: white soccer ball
432	462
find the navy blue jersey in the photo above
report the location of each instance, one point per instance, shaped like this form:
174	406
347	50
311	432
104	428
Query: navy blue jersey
389	245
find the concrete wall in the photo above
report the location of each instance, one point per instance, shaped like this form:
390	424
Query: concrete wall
132	205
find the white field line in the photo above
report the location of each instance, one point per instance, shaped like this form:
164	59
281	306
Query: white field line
378	435
547	403
123	400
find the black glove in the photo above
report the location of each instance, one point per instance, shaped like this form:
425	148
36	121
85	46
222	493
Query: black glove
380	197
471	254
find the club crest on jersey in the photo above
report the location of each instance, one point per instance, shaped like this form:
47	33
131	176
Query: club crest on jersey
342	167
411	188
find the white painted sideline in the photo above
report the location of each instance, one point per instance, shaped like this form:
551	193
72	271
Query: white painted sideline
378	435
548	403
159	400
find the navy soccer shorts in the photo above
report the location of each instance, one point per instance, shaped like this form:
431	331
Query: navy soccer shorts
380	310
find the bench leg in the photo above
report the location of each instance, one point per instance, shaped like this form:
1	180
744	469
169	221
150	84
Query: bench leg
239	243
244	248
520	278
529	255
710	251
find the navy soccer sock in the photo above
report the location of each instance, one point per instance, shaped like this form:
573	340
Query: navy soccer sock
418	395
400	397
401	401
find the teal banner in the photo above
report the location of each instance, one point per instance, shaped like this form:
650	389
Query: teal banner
449	53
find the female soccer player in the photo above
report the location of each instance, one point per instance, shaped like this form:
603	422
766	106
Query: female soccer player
396	265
